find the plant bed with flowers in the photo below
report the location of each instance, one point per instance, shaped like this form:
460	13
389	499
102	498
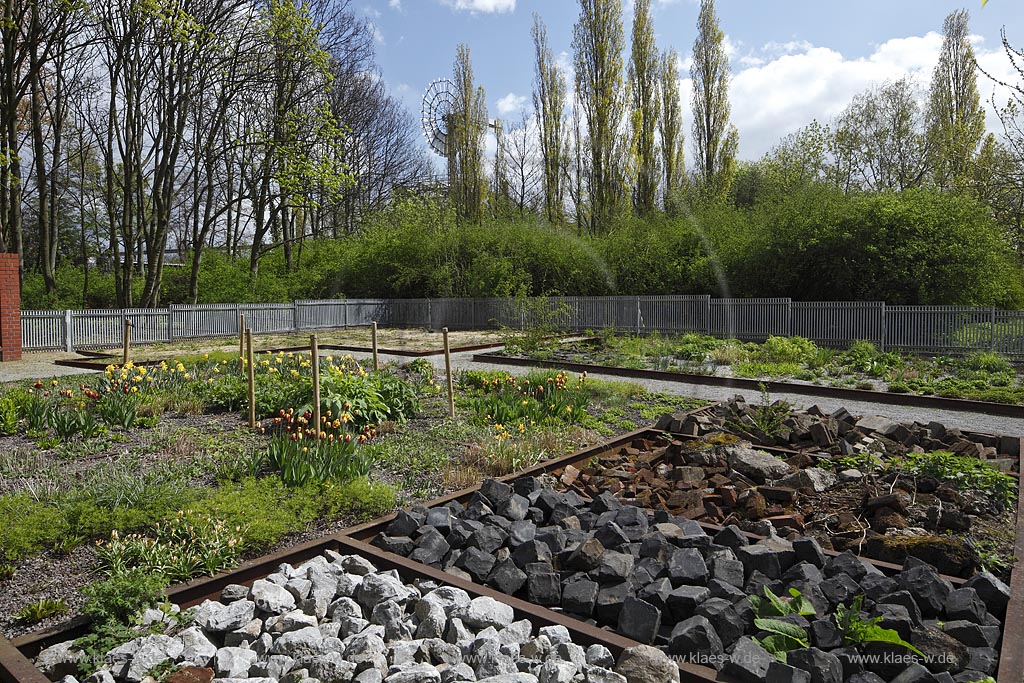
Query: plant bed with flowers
981	376
146	472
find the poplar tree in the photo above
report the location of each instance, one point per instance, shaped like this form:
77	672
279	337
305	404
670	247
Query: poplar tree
549	89
670	125
956	121
467	127
715	140
646	108
598	41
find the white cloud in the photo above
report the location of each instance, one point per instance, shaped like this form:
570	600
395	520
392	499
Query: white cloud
485	6
395	4
511	104
378	35
781	87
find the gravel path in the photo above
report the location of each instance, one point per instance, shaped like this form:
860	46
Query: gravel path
974	421
39	366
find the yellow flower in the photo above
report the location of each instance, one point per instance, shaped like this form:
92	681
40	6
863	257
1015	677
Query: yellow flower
264	363
206	355
329	358
279	360
135	390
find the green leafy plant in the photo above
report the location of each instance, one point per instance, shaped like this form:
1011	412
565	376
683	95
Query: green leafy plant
64	423
782	637
786	350
300	461
7	571
767	417
112	604
9	416
772	605
36	414
966	473
41	609
187	545
538	398
88	427
119	409
857	630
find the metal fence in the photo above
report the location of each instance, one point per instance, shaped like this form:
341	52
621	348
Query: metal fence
930	329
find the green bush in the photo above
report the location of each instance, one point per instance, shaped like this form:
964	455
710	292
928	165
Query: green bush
786	350
987	361
122	595
29	525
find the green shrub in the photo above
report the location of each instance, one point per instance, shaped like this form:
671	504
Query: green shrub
359	498
10	416
787	350
987	361
122	595
265	508
29	525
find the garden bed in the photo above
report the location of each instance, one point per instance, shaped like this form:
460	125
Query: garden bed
360	609
403	341
75	474
985	382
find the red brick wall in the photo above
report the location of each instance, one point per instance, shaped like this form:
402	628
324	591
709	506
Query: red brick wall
10	308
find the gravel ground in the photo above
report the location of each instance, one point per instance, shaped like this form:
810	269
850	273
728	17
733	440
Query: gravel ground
980	422
39	366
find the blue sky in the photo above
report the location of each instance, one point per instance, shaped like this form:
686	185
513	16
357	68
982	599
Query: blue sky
792	60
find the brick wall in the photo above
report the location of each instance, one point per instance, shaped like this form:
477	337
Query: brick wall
10	308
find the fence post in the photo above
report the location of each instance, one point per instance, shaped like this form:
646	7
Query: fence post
638	321
67	332
170	322
344	314
789	317
885	328
430	316
992	340
295	316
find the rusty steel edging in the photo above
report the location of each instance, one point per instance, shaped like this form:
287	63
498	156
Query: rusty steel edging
881	397
368	530
100	361
1011	654
16	667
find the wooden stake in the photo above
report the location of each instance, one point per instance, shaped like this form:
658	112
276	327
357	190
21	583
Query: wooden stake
127	341
251	369
448	373
373	336
241	342
314	352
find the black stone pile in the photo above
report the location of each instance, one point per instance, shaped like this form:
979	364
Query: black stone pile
662	580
